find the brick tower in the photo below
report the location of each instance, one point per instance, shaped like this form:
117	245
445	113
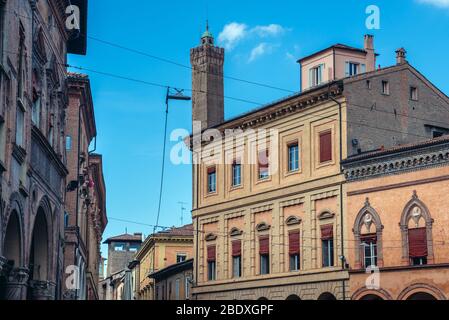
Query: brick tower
207	82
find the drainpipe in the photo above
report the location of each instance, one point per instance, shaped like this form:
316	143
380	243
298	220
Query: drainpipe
343	259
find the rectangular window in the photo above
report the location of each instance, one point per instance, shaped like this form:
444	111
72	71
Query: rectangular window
417	246
177	289
369	247
264	166
211	180
414	93
187	288
368	84
181	257
236	259
327	244
20	118
264	253
293	157
385	87
293	244
36	112
325	146
236	173
68	143
316	75
119	247
211	263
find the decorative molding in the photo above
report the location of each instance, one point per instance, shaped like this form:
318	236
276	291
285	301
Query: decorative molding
293	202
235	232
210	237
263	208
263	227
395	163
236	214
324	195
293	220
326	214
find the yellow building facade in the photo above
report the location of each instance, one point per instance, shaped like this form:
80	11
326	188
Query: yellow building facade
159	251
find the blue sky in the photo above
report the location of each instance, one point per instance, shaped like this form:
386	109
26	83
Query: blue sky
263	39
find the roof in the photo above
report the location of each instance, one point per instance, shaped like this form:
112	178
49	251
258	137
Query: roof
184	231
397	149
172	269
335	46
125	238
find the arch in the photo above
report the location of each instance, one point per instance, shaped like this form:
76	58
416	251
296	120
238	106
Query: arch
371	297
367	217
292	220
421	291
39	263
13	244
371	294
263	226
235	232
410	213
327	296
210	237
326	214
263	299
293	297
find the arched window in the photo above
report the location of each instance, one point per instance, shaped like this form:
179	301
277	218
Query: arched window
416	230
368	237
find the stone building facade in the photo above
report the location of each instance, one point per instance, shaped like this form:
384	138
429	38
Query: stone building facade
174	282
85	208
268	210
396	217
33	96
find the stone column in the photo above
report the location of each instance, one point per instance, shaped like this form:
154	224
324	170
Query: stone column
16	284
42	290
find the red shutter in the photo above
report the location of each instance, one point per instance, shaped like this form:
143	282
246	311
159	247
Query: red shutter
327	232
325	146
211	253
236	248
263	159
210	170
417	242
369	238
293	243
264	245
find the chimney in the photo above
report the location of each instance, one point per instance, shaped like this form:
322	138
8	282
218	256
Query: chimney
401	55
371	55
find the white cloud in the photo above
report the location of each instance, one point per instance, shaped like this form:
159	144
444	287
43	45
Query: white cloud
235	32
269	30
232	33
258	51
438	3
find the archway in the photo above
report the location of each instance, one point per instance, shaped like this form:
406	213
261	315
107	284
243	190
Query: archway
39	258
371	297
327	296
421	296
39	248
13	241
293	297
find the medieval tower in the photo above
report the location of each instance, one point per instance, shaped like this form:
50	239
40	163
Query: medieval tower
207	82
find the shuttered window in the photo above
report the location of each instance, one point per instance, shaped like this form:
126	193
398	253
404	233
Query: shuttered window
236	248
325	146
211	180
417	243
293	243
263	159
211	262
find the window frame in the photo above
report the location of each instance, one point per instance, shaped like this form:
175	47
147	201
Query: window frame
264	261
386	87
330	159
209	183
291	169
235	164
414	94
263	175
237	272
327	246
373	255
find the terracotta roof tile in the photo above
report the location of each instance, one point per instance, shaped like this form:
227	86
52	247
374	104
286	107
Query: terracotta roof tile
125	238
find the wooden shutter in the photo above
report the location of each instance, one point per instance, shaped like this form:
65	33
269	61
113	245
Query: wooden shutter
264	244
210	170
327	232
417	242
325	146
293	243
236	248
211	253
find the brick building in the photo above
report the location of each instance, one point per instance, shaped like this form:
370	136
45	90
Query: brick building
174	282
85	209
396	217
268	210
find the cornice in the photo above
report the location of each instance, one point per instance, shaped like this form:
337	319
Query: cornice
410	160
